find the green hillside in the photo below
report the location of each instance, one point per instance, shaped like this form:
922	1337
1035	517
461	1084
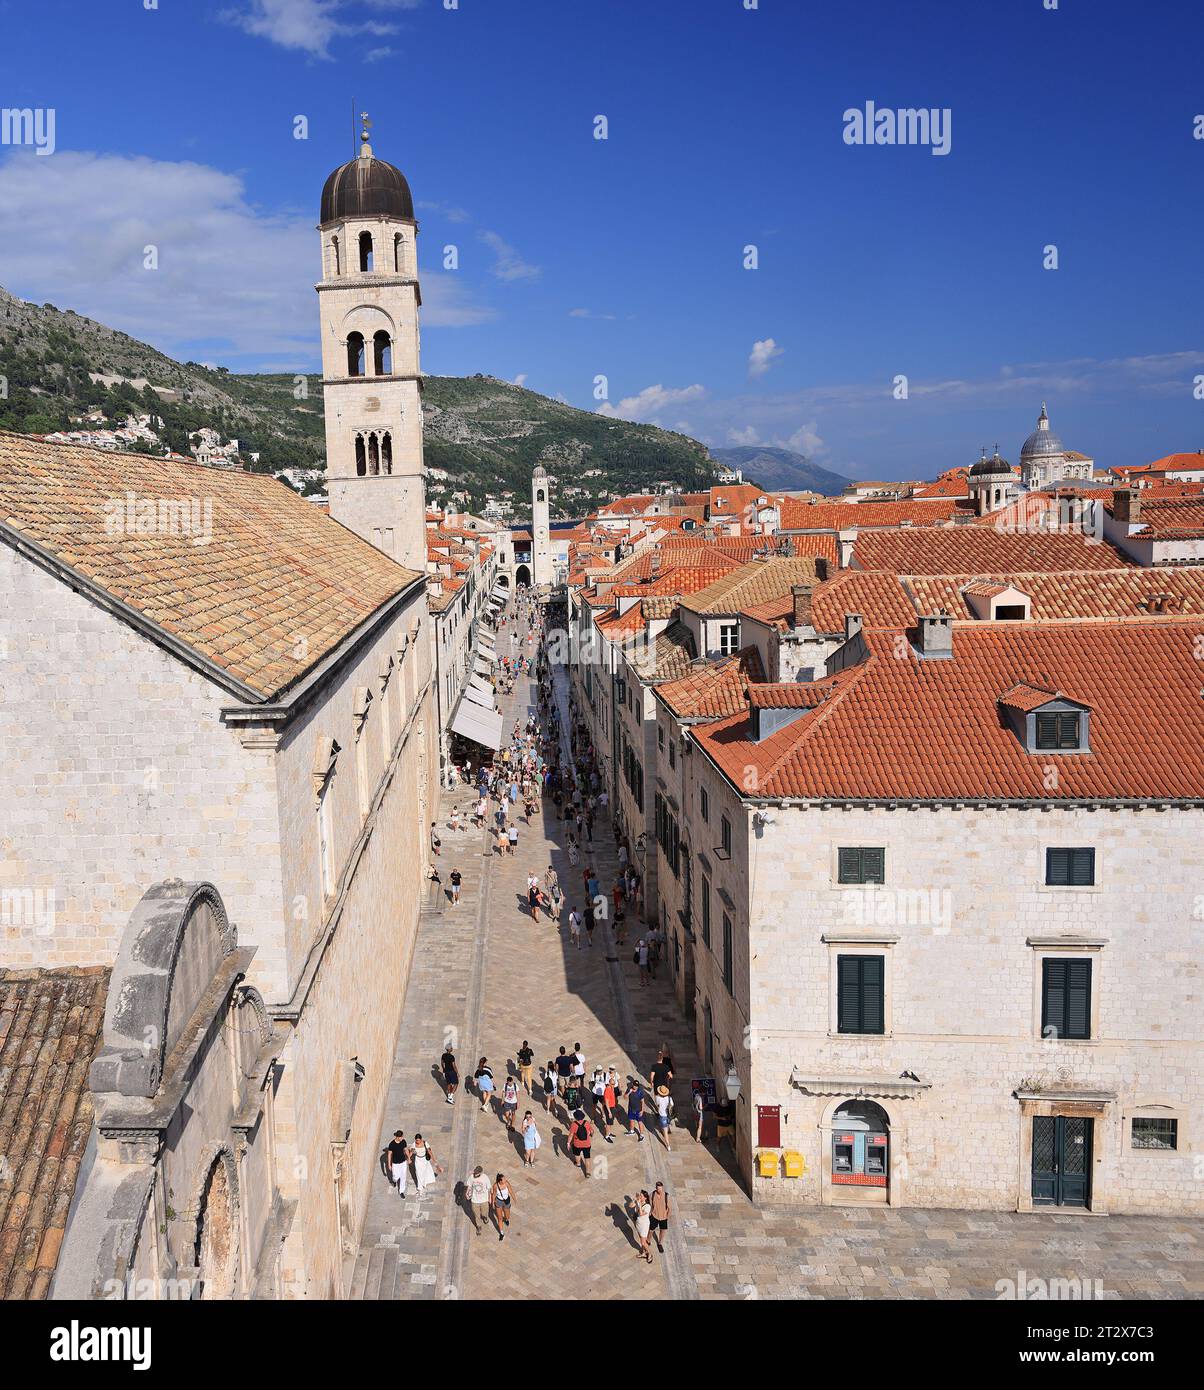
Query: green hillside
486	435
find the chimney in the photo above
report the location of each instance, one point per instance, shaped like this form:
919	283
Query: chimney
1126	505
801	594
853	623
936	635
821	568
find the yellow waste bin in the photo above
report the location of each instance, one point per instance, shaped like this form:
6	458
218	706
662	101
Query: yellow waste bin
767	1164
795	1163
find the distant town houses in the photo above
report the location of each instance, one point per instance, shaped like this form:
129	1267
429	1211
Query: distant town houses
869	752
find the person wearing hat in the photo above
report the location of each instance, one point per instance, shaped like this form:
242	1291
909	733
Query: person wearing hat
477	1192
580	1138
664	1109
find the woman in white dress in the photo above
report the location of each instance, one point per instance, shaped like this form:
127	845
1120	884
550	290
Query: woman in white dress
425	1168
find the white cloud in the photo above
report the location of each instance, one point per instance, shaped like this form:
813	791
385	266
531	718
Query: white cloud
232	279
521	379
651	401
747	435
762	355
376	55
804	440
508	264
588	314
307	26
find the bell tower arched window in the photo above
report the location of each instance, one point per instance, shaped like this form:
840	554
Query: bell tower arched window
373	455
355	354
334	246
365	250
397	252
361	460
539	497
386	452
382	353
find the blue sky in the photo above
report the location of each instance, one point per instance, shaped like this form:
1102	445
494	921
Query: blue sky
1073	127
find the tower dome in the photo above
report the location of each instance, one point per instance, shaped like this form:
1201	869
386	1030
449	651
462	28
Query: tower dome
366	187
1042	443
990	467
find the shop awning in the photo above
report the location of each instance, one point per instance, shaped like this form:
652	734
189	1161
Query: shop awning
483	687
485	656
479	697
481	725
483	665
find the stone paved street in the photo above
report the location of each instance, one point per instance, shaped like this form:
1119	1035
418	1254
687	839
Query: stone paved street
487	977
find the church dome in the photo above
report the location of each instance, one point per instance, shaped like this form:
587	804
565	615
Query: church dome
1042	443
991	467
366	187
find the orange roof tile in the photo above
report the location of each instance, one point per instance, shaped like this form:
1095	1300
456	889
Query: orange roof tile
51	1023
958	549
753	583
714	690
840	516
272	576
905	728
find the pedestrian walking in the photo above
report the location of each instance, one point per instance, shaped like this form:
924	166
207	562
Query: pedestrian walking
635	1109
589	924
700	1109
477	1191
454	878
640	1209
451	1075
502	1201
483	1076
564	1069
549	1087
662	1210
664	1112
399	1161
436	842
574	928
531	1139
512	839
426	1170
580	1141
509	1101
525	1057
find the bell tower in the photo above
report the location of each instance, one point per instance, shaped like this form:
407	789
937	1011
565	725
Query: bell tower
541	540
368	300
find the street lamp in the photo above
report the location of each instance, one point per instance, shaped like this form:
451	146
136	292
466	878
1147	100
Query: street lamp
731	1082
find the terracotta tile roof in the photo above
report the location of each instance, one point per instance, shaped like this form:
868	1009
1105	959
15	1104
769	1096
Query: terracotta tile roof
1026	698
635	505
50	1030
276	577
954	483
981	549
821	545
1177	463
715	690
1162	515
839	516
754	583
902	728
1072	595
784	695
666	659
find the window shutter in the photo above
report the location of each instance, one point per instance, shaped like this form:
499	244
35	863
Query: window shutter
873	865
1053	998
848	994
850	865
1078	999
871	994
1057	867
1082	867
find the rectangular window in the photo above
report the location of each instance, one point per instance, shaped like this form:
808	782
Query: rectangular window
860	994
704	804
727	952
672	754
725	836
861	864
706	911
1149	1133
1066	999
660	737
729	638
1058	730
1070	868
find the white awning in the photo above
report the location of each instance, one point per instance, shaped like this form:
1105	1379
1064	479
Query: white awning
499	591
484	664
476	683
481	725
478	697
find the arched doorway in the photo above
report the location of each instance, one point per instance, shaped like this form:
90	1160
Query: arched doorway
522	575
216	1251
860	1152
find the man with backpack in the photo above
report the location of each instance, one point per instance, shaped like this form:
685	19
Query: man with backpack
580	1140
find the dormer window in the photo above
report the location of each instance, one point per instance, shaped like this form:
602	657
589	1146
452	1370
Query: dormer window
1059	730
1046	721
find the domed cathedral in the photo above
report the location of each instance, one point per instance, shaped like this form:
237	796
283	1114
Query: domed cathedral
1044	459
368	299
541	539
